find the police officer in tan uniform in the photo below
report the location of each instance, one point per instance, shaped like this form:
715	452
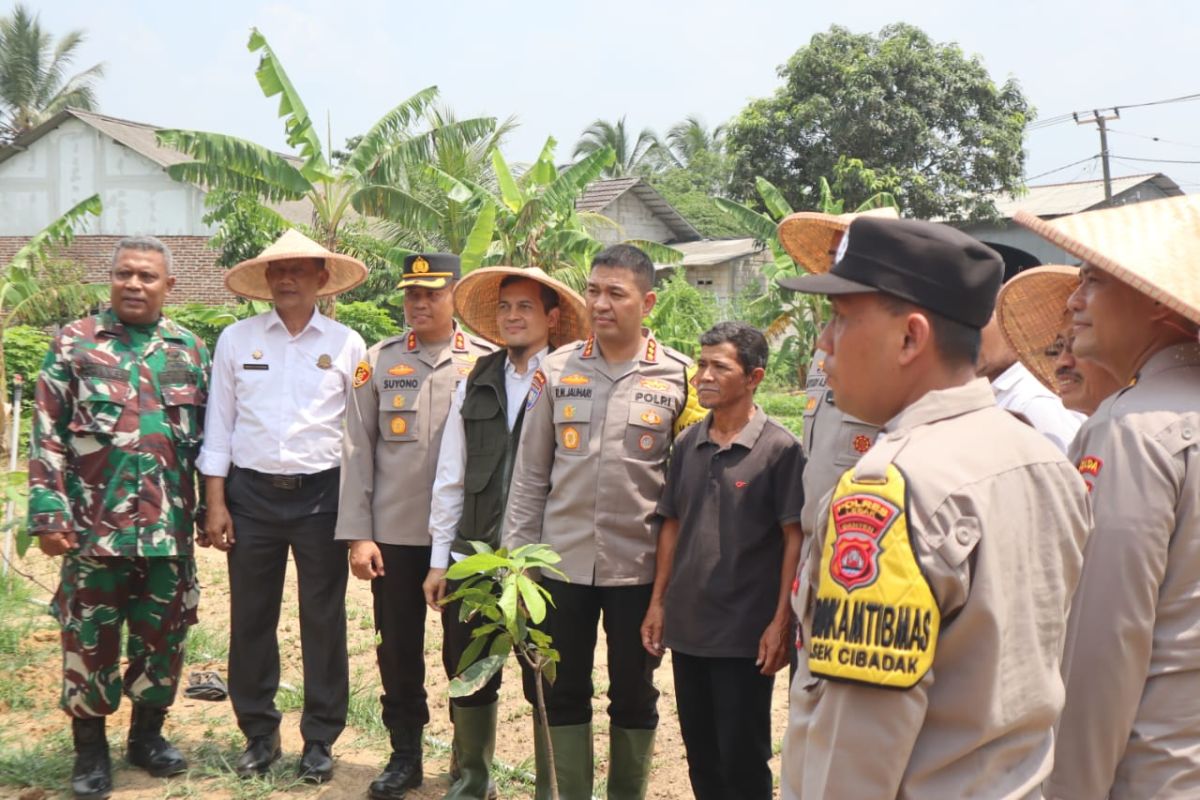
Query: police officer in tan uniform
833	440
394	427
590	468
933	597
1131	724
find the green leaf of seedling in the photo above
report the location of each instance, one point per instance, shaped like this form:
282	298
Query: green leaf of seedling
501	645
476	676
534	603
470	654
550	671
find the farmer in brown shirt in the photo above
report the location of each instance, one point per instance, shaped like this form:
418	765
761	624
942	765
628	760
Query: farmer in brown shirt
933	596
1131	724
727	556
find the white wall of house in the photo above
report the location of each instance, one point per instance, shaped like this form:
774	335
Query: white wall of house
636	221
73	162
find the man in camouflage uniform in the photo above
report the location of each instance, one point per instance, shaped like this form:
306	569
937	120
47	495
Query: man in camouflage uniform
112	488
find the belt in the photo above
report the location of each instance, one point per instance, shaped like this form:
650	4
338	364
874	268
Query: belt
287	482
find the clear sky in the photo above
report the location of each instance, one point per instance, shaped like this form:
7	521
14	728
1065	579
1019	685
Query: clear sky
557	66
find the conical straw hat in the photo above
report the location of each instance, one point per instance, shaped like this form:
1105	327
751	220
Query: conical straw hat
249	278
477	295
811	237
1032	312
1153	246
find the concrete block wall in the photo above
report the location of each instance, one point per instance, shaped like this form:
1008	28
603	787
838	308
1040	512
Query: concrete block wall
198	277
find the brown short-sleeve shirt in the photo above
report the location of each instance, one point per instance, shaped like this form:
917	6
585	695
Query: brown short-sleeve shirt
731	504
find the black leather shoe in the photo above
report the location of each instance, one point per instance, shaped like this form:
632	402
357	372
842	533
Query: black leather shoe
401	774
146	747
316	765
261	753
91	776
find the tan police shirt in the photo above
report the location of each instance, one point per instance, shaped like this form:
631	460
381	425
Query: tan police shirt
998	519
833	441
1131	724
592	460
394	423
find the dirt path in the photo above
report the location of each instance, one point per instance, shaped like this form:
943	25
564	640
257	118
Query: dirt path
33	734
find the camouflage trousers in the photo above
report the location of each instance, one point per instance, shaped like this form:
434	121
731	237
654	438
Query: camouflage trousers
156	597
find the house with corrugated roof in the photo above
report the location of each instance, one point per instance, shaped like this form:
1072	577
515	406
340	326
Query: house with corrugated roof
637	210
1060	199
76	154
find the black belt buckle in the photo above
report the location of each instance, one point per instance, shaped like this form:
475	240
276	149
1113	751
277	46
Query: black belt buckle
288	482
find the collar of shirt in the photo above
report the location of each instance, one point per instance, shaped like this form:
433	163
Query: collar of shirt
1186	354
111	325
316	322
649	355
1010	377
944	404
746	437
535	361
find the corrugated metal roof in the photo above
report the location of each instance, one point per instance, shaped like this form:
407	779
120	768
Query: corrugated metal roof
714	251
1058	199
599	195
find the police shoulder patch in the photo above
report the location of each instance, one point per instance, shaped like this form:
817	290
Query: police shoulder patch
875	619
362	374
535	389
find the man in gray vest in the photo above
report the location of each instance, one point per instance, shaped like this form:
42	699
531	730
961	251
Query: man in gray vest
526	312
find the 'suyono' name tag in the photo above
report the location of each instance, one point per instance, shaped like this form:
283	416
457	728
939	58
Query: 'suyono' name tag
875	620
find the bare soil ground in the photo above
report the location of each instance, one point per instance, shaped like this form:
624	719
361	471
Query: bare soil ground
35	753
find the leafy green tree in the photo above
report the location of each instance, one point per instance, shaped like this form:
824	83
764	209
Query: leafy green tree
629	154
682	313
690	190
372	322
531	220
498	586
245	227
25	348
690	139
34	290
34	84
926	115
367	181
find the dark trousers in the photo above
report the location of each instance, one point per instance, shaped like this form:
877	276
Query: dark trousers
400	626
571	622
268	522
456	637
725	718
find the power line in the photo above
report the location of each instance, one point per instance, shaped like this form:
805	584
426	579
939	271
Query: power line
1160	160
1060	169
1058	119
1158	139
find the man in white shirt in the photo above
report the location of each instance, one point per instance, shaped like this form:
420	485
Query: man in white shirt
271	456
1017	390
526	312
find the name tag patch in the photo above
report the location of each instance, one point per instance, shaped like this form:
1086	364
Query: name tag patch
256	366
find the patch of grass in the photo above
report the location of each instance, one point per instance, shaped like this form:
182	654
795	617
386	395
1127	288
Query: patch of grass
289	697
785	407
364	712
45	763
204	645
212	771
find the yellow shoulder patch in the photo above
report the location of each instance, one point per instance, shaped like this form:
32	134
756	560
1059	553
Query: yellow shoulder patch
692	411
362	374
875	619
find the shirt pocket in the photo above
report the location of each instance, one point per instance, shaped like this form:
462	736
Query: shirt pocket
398	420
647	434
854	439
572	426
99	404
183	406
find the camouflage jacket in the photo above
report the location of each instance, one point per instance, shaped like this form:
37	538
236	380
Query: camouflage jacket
117	420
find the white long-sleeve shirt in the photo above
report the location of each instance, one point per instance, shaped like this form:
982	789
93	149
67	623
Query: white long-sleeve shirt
1018	391
446	510
276	401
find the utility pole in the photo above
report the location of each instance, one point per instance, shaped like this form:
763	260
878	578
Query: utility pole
1100	119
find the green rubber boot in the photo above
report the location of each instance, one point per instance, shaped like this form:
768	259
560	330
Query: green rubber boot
474	746
572	761
629	756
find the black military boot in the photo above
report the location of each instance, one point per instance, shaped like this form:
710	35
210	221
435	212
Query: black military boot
146	747
91	777
403	770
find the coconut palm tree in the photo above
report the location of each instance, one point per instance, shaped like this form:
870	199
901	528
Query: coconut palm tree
630	154
34	85
688	139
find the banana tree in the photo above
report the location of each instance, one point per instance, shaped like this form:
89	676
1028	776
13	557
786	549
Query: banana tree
367	181
530	219
792	320
29	296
